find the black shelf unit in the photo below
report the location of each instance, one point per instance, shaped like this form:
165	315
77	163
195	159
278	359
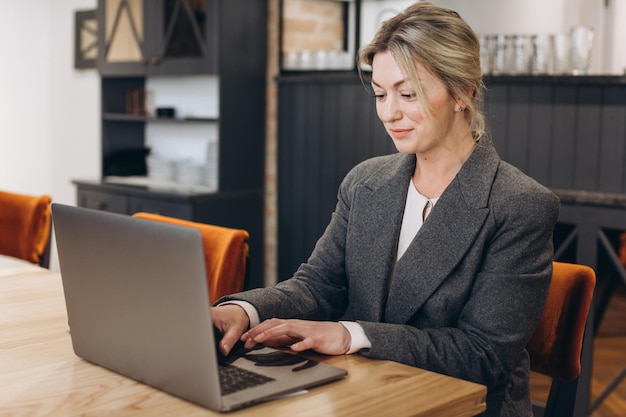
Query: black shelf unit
123	117
233	34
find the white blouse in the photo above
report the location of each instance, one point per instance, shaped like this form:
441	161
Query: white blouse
417	208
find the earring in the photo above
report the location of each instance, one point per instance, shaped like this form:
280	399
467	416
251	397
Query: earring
459	109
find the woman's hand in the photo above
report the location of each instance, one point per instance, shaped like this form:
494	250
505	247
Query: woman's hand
231	320
330	338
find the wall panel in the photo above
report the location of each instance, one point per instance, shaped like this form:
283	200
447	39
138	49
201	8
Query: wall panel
566	132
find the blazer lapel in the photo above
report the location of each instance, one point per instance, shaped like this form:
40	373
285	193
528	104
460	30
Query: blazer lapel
376	217
445	237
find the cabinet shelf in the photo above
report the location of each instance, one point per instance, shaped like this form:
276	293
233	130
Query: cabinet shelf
122	117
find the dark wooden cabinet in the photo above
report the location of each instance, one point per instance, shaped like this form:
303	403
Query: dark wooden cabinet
238	209
101	199
239	46
158	37
184	40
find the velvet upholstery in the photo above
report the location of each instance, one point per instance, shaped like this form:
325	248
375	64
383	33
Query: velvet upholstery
24	225
555	346
225	254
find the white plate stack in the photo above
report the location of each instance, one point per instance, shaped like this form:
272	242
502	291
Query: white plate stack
190	173
160	169
212	166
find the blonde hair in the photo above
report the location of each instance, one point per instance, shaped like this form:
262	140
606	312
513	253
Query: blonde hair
441	41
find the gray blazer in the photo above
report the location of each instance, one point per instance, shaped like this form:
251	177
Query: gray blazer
467	294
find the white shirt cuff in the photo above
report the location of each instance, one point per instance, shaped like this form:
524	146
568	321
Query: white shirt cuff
253	315
359	339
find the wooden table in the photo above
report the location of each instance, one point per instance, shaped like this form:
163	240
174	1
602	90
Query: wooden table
41	376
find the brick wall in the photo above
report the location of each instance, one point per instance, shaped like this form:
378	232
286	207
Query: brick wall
312	25
271	139
307	25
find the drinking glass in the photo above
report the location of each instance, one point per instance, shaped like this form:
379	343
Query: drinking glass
522	54
560	53
541	61
502	54
487	44
581	42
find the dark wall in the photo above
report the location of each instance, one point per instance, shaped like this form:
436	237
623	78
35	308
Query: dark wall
566	132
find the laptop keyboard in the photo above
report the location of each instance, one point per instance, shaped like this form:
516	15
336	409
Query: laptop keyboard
233	379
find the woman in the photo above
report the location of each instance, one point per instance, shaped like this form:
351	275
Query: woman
439	256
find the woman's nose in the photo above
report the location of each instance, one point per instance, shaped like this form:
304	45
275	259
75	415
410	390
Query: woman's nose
389	110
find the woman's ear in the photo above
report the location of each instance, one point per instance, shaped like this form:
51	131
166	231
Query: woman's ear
460	104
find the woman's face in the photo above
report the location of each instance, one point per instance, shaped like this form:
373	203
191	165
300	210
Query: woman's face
402	113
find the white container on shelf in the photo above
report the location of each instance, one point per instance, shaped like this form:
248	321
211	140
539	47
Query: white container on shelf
190	173
160	169
211	178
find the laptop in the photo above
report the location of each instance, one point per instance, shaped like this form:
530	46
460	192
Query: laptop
137	304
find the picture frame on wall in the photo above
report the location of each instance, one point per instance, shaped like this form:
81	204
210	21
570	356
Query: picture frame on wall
85	39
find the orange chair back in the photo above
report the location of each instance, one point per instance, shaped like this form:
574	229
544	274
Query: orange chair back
555	346
225	254
24	226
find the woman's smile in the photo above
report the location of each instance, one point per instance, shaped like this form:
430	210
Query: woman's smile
398	133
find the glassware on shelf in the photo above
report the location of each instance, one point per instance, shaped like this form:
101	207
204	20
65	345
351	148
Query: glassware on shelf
487	45
317	60
537	54
542	54
560	50
499	46
581	42
522	54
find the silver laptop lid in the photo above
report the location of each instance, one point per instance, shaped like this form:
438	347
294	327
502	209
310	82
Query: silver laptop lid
126	280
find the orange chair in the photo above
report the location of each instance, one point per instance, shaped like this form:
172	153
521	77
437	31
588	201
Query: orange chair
25	225
225	254
556	346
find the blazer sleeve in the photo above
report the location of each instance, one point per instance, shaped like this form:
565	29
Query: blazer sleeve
318	290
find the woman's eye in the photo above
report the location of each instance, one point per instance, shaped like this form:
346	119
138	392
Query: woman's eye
379	96
409	96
